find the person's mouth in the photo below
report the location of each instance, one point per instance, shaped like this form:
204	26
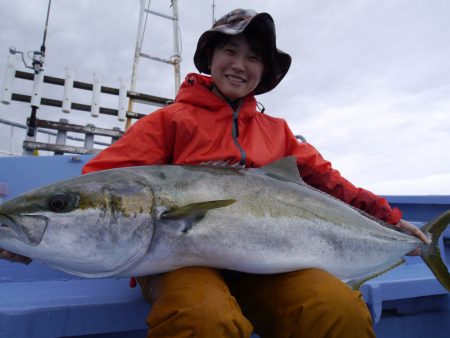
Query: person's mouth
235	79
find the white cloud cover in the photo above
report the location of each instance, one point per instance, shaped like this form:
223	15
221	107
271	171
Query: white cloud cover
369	83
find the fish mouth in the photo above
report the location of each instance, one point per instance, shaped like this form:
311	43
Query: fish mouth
29	229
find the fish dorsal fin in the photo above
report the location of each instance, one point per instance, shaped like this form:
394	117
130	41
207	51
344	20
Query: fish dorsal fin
285	169
223	164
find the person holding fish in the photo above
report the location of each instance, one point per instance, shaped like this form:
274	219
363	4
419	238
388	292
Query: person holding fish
215	118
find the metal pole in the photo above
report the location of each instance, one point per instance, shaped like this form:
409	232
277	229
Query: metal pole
61	137
137	51
38	63
114	139
89	138
32	122
46	25
176	50
213	13
11	140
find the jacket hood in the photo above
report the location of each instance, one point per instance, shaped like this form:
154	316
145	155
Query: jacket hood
196	91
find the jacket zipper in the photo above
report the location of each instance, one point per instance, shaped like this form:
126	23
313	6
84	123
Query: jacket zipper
235	133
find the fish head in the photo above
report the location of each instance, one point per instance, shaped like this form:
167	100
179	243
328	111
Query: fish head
94	225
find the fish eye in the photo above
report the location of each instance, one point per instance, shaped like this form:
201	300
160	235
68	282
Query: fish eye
60	202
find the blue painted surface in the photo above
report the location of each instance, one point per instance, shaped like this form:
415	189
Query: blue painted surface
27	172
37	301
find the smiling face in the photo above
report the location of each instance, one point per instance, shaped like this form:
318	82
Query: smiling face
235	69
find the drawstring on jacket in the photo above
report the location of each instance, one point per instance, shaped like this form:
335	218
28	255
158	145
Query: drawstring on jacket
261	107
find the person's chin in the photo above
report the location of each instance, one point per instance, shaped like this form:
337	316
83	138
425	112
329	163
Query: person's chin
234	93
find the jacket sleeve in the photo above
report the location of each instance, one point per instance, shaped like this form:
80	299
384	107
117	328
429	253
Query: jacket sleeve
318	173
148	141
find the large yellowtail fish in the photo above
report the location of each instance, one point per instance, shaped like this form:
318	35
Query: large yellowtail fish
152	219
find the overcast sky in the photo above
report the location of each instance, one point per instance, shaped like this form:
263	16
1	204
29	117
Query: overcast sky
369	85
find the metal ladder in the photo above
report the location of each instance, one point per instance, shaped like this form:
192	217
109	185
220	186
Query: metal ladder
174	60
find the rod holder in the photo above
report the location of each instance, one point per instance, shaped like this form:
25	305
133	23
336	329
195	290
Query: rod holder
8	81
68	89
96	88
122	100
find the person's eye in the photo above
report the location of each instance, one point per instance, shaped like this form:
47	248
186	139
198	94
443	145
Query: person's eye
255	58
229	51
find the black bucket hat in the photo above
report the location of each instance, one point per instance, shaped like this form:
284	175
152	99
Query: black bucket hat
236	22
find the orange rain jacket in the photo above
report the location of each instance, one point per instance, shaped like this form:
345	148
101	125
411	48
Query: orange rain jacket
201	127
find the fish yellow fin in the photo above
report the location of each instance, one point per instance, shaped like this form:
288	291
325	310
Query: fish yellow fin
431	254
194	212
355	284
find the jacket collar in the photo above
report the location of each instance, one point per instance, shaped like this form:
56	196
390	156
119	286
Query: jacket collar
196	90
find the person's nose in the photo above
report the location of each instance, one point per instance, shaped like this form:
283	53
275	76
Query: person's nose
238	63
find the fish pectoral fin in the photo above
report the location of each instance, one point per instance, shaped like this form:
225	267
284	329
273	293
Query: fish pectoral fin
285	169
194	212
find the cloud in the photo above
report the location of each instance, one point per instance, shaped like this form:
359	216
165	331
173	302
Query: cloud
368	85
428	185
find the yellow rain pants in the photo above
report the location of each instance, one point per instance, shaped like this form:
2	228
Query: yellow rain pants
200	302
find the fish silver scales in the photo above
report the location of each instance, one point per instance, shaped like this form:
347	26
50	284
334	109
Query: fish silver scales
274	226
145	220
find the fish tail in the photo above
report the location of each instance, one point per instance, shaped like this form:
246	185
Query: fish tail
431	254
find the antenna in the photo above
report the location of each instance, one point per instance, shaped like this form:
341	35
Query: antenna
37	65
213	13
